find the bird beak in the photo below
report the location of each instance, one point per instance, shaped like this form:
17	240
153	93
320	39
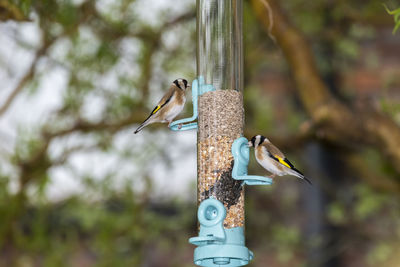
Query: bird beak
249	144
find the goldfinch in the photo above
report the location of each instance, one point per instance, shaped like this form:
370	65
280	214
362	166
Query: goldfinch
170	105
272	159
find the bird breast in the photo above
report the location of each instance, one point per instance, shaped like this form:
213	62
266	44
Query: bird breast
174	110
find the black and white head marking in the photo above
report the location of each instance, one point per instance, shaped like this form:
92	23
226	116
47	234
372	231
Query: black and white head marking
181	83
257	140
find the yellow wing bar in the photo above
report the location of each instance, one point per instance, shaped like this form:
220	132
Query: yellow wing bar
282	161
156	109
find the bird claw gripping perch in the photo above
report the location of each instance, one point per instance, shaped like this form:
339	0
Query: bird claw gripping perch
240	151
217	246
198	88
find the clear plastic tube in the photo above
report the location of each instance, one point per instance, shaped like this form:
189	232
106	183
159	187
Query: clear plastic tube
221	114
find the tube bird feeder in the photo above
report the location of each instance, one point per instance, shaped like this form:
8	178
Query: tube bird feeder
220	123
222	151
221	114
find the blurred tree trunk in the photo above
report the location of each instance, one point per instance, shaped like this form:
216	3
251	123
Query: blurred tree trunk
324	244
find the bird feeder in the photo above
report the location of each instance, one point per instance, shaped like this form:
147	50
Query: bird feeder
222	151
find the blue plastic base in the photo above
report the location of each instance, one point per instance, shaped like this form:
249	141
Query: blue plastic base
232	253
218	246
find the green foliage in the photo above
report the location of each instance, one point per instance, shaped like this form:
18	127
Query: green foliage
24	5
369	202
396	16
337	213
380	253
115	230
105	57
263	109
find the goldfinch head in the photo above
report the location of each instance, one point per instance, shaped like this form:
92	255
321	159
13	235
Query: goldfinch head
257	140
181	84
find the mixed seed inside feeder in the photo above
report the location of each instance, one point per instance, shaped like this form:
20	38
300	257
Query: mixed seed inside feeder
220	122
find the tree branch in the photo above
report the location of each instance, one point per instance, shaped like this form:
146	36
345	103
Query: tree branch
374	179
40	157
9	11
86	126
25	79
335	121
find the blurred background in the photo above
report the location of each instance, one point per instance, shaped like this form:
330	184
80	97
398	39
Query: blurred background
77	188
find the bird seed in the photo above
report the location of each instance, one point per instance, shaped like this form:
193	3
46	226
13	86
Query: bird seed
221	120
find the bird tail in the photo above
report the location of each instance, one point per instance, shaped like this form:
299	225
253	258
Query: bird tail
144	124
300	175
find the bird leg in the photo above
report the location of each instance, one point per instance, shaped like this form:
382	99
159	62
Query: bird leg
179	125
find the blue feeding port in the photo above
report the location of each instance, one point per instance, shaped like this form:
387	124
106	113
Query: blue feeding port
218	246
241	155
198	88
